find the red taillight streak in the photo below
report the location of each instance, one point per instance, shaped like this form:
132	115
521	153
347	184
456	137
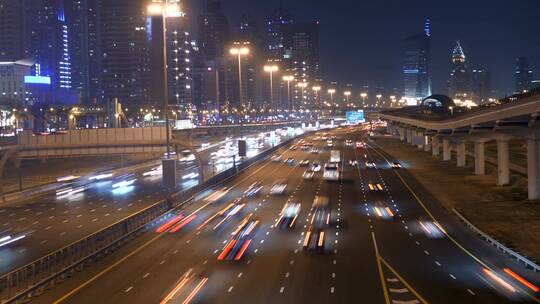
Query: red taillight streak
174	291
169	223
194	292
183	223
242	250
226	250
521	280
499	280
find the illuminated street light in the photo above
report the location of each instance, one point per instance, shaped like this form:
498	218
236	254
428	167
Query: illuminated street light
271	69
379	96
240	51
363	95
347	94
288	79
165	9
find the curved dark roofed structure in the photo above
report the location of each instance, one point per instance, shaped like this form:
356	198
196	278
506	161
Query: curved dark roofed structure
438	101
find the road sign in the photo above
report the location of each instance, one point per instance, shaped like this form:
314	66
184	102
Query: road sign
355	117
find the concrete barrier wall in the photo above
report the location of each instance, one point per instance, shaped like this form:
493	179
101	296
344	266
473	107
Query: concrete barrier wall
91	137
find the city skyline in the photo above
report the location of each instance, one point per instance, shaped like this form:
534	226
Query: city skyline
377	55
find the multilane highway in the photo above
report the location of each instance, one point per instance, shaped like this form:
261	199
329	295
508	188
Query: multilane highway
386	240
52	221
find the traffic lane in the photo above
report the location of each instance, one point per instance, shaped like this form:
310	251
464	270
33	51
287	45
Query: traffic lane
275	257
466	240
441	263
140	260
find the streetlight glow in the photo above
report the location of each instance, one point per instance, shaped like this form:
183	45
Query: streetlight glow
271	68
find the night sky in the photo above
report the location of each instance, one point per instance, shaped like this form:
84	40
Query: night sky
361	40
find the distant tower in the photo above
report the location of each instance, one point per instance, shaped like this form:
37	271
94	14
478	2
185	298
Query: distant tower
213	30
524	75
460	80
274	33
416	65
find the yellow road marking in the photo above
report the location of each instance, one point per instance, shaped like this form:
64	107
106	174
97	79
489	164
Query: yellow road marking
535	299
402	280
379	266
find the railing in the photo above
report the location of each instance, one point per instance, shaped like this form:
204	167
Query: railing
520	258
32	279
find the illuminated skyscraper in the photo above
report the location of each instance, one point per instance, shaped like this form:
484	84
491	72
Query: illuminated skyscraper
460	78
416	66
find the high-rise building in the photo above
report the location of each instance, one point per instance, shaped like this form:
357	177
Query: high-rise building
213	30
275	34
82	21
125	63
12	44
460	78
524	75
481	85
301	55
416	66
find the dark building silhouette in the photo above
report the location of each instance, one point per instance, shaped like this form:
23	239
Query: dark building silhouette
524	75
481	85
213	30
274	45
416	66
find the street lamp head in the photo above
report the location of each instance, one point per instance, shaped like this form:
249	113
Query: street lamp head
271	68
347	93
239	51
331	91
164	9
378	96
288	78
316	88
363	95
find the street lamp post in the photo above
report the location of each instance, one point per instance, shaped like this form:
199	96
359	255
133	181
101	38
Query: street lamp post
240	51
331	92
288	79
363	95
316	89
165	10
379	96
347	94
271	69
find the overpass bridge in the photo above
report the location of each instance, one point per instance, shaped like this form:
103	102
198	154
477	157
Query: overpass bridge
438	123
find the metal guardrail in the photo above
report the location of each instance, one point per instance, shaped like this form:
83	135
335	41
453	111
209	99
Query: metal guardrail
33	278
520	258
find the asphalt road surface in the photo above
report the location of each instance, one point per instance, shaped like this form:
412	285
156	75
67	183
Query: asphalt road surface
52	222
386	240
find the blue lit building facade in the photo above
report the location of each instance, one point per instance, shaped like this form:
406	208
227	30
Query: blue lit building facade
416	66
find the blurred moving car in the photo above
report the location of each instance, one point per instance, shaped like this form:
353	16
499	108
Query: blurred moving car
279	187
253	189
308	174
288	215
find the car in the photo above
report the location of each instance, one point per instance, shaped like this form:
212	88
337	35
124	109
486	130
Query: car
375	187
383	212
304	163
294	148
315	166
396	165
288	215
331	172
329	143
9	236
253	189
314	151
277	158
314	239
324	138
348	143
360	144
308	175
304	148
243	235
279	187
371	164
353	162
290	161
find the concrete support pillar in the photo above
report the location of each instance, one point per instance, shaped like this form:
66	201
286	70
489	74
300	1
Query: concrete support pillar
420	146
427	143
503	163
402	135
479	158
446	150
533	169
435	150
461	156
409	133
